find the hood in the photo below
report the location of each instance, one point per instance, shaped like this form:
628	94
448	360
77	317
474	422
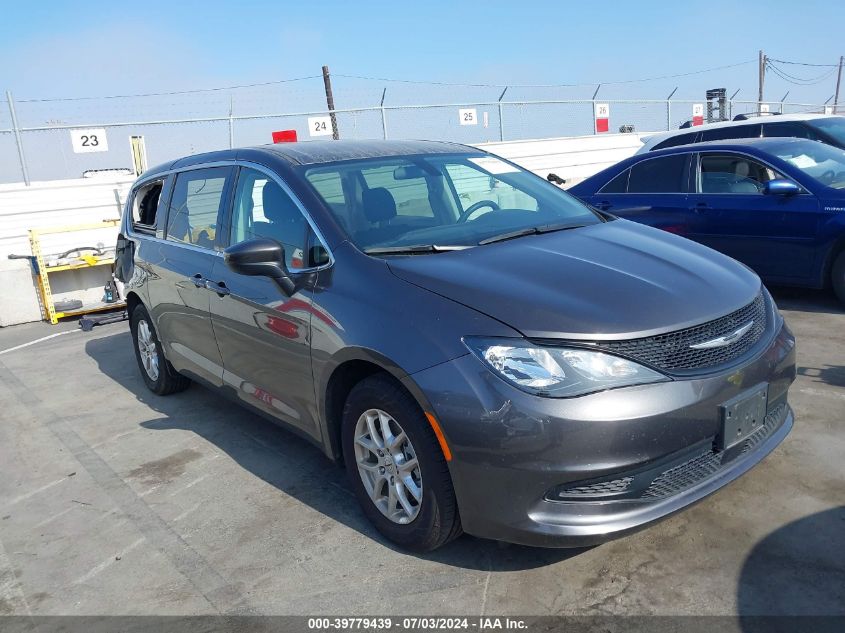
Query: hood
612	280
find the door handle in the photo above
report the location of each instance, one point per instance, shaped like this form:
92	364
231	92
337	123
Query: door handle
199	280
701	206
604	205
219	287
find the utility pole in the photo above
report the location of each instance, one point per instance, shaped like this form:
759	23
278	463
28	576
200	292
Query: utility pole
762	73
327	82
838	81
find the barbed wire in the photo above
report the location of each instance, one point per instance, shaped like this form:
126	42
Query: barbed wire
560	85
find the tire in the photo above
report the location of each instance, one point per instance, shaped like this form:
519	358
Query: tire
435	519
163	380
837	276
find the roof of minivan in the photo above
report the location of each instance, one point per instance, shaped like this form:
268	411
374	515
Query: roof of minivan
315	152
771	118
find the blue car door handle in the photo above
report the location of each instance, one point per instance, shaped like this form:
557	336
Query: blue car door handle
604	205
701	206
199	280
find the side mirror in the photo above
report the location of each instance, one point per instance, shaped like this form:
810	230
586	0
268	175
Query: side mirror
781	187
261	257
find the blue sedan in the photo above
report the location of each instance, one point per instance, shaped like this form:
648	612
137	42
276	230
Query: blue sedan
777	205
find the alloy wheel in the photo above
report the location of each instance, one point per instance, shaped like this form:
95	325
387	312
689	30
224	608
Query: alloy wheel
388	466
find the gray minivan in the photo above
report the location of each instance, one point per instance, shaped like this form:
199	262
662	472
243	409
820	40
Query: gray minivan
481	350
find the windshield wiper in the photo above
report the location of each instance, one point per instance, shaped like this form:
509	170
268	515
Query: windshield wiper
416	248
531	230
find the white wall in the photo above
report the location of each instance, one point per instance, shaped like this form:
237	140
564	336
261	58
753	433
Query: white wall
50	204
573	158
82	201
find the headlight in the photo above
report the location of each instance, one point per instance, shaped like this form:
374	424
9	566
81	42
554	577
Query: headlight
558	372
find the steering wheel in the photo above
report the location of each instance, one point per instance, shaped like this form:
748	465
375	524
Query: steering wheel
828	176
475	207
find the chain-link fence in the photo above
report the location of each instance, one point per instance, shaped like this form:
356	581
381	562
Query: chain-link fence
40	139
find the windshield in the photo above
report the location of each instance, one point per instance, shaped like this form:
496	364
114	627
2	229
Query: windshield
825	163
834	127
441	200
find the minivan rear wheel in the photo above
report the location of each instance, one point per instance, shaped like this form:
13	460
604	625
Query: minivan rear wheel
156	370
837	276
396	466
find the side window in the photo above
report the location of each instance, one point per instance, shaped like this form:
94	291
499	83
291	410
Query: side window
731	131
406	184
674	141
618	185
195	206
263	209
666	174
789	129
733	173
473	185
145	206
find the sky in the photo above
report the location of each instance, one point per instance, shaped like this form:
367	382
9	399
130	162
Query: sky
63	60
70	49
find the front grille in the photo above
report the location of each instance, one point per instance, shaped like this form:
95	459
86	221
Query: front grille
672	351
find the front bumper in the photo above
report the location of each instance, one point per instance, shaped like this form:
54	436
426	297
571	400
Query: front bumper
640	453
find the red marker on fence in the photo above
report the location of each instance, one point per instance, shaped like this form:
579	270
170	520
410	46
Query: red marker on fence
284	136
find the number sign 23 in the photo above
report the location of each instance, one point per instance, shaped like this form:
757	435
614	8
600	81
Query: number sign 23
89	140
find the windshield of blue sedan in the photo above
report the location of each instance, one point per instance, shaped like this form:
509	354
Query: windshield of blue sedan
823	162
441	201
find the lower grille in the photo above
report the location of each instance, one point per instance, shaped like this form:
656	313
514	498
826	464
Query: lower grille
679	478
599	489
660	482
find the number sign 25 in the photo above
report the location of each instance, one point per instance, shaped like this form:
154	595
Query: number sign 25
467	116
89	140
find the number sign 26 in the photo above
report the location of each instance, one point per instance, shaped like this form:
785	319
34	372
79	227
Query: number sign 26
89	140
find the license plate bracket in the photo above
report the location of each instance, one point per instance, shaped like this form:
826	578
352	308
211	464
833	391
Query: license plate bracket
742	415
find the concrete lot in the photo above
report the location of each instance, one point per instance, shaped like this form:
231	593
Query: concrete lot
116	501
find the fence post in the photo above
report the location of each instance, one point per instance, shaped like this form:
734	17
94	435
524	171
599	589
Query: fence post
17	131
502	115
231	123
593	112
383	115
669	108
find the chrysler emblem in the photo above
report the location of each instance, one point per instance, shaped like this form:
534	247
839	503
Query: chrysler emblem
727	339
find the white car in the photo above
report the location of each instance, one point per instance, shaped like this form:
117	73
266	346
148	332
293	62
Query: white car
817	127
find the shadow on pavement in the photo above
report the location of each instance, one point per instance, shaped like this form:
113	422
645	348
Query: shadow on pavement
806	300
289	462
797	570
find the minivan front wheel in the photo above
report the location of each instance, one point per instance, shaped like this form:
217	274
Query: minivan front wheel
157	372
396	466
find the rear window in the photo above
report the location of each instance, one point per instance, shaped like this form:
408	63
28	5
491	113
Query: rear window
618	185
731	131
195	206
666	174
789	129
674	141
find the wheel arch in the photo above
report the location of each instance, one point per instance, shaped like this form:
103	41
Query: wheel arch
346	370
836	248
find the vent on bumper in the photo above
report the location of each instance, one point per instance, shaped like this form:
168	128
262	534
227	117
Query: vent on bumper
673	351
663	481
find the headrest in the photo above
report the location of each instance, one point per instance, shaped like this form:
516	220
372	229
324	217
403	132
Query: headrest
379	204
742	169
